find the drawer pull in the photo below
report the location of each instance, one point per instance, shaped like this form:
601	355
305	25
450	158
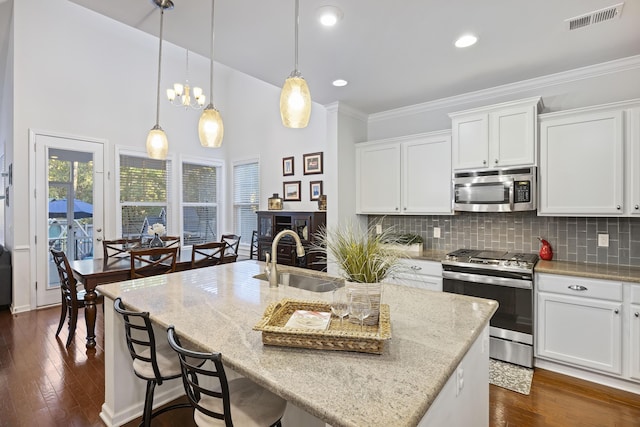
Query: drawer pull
637	314
416	268
577	288
616	311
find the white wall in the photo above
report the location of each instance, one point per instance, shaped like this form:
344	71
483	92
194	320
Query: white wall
82	74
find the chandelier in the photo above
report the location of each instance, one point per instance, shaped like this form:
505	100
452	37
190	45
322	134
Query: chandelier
181	95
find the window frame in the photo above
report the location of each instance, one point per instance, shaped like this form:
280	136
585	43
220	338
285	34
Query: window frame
220	200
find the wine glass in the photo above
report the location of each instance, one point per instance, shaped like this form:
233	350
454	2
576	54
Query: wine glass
360	306
339	303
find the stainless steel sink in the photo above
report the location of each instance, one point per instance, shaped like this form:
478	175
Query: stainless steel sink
307	282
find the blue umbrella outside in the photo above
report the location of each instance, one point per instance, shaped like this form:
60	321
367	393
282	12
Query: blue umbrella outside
58	209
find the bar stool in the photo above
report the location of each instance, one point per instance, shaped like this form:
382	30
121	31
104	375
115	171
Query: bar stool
240	402
152	363
254	245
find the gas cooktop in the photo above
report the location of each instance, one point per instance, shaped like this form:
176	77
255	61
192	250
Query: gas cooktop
476	257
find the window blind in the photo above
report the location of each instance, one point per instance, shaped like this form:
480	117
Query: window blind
246	199
199	203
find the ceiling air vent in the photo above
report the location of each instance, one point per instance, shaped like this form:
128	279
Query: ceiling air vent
594	17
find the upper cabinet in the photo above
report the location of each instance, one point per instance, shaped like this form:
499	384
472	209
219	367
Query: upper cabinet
583	167
496	136
408	175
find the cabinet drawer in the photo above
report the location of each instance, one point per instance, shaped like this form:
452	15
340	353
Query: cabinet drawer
635	294
579	286
420	266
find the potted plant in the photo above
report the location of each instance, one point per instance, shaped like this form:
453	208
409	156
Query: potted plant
363	257
407	242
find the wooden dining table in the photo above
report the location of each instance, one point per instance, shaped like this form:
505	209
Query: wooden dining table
93	272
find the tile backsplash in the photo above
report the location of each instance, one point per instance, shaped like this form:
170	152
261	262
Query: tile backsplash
572	238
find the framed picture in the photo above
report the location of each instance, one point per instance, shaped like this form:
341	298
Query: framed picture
315	190
312	163
287	166
291	190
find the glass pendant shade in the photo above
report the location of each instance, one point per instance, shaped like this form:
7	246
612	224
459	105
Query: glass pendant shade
157	143
210	128
295	102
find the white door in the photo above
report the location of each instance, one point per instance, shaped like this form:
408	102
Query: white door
69	206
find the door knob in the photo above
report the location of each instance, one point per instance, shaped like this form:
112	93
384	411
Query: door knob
618	207
636	207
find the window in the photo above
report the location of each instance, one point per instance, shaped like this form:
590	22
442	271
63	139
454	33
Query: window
246	196
199	203
145	187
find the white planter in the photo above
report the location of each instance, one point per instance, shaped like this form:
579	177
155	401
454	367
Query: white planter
415	248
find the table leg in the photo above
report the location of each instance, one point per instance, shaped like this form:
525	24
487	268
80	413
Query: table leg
90	316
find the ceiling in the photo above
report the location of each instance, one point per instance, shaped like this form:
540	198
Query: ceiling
393	53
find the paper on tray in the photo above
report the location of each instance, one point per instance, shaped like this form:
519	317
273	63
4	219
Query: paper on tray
309	320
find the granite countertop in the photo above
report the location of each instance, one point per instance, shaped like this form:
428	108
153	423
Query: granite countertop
216	308
622	273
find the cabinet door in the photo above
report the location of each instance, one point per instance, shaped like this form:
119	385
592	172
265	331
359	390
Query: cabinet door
633	165
580	331
378	178
265	225
426	175
512	137
581	165
634	344
470	140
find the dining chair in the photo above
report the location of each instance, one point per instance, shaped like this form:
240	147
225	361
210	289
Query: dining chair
233	242
154	261
239	402
253	251
207	254
72	298
171	241
120	248
155	362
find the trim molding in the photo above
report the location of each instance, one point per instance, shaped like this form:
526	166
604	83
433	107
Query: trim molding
341	108
591	71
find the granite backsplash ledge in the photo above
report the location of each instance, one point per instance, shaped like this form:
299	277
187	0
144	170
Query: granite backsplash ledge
572	238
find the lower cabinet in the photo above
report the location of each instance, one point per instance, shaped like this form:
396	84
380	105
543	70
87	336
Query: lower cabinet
634	333
421	274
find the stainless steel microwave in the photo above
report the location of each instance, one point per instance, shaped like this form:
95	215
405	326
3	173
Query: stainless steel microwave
495	190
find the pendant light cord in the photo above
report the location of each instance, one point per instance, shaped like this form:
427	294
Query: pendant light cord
213	6
159	67
296	43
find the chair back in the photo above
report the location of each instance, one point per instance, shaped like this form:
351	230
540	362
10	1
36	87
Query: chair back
119	248
233	242
68	283
207	254
141	340
191	363
171	241
154	261
253	251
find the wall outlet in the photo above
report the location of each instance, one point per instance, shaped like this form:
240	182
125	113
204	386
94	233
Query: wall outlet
436	232
603	240
378	228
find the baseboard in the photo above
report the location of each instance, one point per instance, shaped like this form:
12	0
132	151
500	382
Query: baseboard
593	377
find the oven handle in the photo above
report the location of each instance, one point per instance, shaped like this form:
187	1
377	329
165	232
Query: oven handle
488	280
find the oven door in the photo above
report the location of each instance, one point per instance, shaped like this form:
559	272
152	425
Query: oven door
514	295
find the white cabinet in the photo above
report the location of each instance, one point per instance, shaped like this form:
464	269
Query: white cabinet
587	159
496	136
416	273
579	322
408	175
634	333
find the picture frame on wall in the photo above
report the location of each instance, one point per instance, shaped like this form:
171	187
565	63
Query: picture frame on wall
287	166
315	190
291	191
312	163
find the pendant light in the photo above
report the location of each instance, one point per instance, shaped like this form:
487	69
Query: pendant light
210	126
295	98
157	143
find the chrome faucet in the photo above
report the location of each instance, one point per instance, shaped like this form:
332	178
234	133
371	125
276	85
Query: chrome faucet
273	275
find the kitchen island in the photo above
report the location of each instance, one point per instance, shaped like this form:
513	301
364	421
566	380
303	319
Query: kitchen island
436	362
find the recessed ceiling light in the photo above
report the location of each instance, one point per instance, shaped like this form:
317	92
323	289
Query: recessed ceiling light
466	40
329	15
340	83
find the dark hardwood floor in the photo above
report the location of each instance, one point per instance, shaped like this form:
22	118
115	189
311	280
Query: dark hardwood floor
42	383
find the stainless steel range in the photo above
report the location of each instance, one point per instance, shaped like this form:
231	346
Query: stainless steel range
506	277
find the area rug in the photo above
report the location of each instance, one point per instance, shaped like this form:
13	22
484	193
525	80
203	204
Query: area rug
512	377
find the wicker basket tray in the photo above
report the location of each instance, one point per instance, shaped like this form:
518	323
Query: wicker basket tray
347	337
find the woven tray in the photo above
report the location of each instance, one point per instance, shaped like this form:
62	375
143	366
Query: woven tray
347	337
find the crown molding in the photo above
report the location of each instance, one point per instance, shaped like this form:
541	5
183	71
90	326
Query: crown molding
341	108
591	71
